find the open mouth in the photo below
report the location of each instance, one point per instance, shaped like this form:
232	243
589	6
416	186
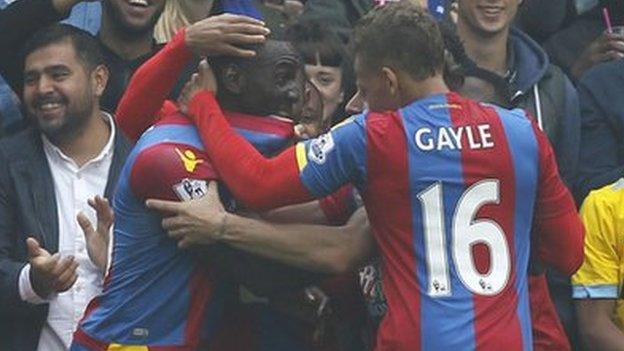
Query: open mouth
139	3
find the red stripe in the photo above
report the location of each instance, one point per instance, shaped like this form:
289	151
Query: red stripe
266	124
87	341
201	287
390	213
496	323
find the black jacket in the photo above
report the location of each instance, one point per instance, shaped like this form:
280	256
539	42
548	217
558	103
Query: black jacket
28	208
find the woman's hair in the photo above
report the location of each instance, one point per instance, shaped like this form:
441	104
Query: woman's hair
316	43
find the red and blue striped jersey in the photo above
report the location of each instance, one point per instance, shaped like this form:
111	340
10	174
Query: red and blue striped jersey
156	295
450	187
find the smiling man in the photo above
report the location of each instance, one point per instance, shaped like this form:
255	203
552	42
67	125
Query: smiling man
49	172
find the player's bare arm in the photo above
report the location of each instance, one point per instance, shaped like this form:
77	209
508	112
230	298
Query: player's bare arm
315	247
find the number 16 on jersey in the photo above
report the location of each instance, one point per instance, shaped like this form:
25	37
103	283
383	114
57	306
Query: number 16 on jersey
467	231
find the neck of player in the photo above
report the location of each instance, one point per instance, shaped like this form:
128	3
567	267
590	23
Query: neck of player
416	90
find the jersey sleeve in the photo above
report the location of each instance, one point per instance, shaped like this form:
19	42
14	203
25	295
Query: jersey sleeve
171	171
557	229
339	206
262	183
333	159
598	277
149	87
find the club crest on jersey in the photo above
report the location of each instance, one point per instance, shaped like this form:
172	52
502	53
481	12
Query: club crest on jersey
189	189
320	147
189	159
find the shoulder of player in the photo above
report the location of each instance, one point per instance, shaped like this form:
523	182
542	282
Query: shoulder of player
167	156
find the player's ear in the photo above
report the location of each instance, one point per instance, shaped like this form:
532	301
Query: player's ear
233	79
391	80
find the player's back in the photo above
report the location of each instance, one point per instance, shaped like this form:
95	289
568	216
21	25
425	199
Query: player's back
155	294
450	190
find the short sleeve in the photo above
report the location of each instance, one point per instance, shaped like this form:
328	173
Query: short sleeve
598	277
171	171
334	159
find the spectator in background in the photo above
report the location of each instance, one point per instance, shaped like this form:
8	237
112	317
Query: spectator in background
49	172
504	66
602	127
327	68
598	283
179	14
125	37
9	103
586	34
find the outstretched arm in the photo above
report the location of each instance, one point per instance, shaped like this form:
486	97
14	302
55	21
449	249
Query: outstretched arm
318	248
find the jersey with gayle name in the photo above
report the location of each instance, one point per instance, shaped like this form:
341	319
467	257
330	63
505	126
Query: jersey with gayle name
450	186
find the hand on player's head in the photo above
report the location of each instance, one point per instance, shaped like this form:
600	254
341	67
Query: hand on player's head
226	35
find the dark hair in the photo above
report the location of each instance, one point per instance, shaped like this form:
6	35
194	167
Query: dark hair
403	35
315	41
86	47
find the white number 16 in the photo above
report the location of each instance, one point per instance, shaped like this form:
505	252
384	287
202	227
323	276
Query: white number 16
466	232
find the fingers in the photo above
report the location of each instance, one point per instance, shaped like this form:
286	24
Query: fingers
173	223
233	18
85	224
66	278
33	247
231	50
169	207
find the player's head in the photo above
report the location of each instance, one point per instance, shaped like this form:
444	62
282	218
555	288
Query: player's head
271	83
396	46
133	18
64	77
486	18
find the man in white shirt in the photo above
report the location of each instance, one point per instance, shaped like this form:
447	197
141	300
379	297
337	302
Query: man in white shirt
48	272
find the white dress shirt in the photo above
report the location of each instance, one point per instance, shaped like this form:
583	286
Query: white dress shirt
73	186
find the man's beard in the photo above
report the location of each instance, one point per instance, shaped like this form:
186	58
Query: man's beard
130	31
73	124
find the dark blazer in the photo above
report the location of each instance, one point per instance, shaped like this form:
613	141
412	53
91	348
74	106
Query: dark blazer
28	208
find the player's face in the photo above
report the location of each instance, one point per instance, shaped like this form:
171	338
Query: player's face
59	92
276	88
134	17
487	17
373	88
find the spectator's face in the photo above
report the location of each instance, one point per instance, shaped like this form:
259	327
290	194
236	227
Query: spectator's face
328	80
134	17
59	92
487	17
275	85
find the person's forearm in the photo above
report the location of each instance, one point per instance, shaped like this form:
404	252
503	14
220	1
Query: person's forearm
150	85
307	213
601	334
312	247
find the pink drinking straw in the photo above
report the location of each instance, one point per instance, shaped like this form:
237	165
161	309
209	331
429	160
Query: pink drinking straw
607	19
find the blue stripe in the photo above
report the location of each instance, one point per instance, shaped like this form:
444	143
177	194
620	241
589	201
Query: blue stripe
524	154
446	322
170	133
601	291
268	144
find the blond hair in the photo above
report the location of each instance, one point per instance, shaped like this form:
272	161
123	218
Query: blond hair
179	14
